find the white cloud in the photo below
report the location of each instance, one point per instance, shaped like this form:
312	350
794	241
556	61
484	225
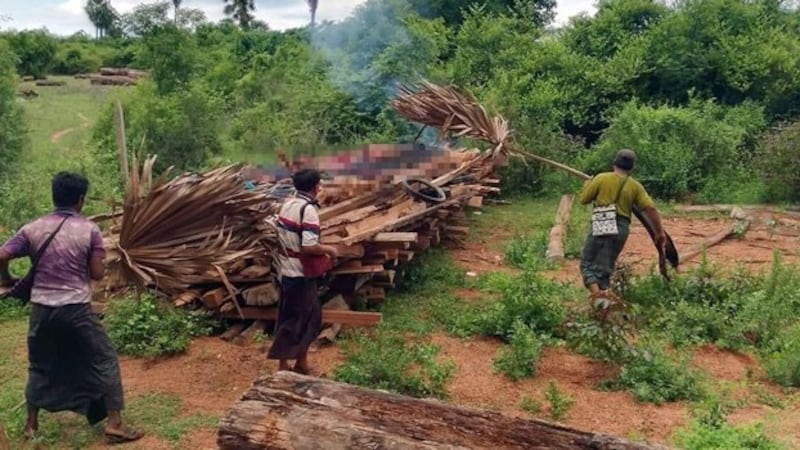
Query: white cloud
65	17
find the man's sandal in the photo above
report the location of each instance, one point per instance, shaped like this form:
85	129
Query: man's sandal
123	436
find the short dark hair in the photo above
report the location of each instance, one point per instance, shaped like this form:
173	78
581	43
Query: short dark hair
69	188
625	159
306	180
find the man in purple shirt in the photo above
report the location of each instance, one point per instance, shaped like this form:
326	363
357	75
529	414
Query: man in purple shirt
72	364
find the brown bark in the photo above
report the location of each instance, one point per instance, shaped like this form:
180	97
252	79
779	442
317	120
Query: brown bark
291	411
555	248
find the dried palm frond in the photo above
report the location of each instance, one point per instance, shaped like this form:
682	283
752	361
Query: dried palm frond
174	234
458	113
453	112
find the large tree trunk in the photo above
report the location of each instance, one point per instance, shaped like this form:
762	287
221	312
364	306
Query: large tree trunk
291	411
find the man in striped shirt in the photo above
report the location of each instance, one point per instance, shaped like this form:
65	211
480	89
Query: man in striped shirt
299	311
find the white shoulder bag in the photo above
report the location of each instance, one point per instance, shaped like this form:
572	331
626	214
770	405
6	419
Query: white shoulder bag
604	218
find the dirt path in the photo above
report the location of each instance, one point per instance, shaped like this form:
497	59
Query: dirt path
57	136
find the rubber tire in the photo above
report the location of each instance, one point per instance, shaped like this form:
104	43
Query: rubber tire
441	196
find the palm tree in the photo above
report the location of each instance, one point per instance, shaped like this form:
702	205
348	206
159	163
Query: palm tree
177	5
240	10
312	5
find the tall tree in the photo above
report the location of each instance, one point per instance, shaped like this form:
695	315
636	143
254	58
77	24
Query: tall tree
177	5
312	5
103	16
241	11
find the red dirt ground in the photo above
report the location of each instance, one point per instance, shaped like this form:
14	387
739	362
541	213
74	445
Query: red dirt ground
213	374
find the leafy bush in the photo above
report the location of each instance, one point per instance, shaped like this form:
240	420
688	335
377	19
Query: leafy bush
654	376
387	361
531	300
182	128
75	59
678	148
528	252
12	124
709	430
779	161
35	51
783	362
560	403
518	359
150	328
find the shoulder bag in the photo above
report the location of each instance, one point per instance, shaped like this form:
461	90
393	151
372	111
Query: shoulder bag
23	288
604	218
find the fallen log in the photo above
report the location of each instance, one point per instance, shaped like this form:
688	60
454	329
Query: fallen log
112	80
738	228
50	83
291	411
555	247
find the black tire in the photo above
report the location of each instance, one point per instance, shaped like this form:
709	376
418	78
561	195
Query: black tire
431	193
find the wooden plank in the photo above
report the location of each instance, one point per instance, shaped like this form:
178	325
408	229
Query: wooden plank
362	269
405	256
186	298
350	251
255	272
235	330
343	317
214	299
456	230
395	237
555	246
475	202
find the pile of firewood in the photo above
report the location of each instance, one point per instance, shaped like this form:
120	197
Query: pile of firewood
210	241
207	240
113	76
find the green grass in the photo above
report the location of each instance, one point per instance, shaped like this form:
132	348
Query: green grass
158	414
26	189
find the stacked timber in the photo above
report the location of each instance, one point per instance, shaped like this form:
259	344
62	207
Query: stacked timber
114	76
207	241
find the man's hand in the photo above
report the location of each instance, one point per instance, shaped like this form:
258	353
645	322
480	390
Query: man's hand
332	251
661	238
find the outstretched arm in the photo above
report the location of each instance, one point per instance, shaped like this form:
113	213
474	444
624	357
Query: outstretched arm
655	219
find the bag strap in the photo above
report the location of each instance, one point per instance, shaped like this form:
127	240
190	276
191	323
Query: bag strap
619	193
46	244
302	213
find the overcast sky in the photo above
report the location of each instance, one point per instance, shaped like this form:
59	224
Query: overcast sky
65	17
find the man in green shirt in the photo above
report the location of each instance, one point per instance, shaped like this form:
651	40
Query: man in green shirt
604	243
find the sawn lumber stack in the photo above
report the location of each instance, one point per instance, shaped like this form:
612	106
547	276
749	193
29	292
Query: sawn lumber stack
207	240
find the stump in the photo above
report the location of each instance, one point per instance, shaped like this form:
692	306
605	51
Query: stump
555	246
291	411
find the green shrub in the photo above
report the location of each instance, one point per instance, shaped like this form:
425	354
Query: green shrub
12	123
387	361
783	362
35	51
182	127
528	252
518	359
709	430
531	299
606	341
151	328
779	162
560	403
655	377
678	149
